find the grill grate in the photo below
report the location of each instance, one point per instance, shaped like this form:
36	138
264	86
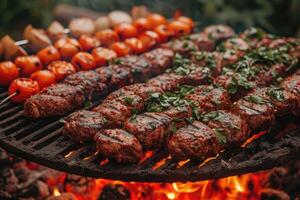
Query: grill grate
42	141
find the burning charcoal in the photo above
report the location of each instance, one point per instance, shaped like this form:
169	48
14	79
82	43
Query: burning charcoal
63	196
8	181
37	189
114	192
80	186
271	194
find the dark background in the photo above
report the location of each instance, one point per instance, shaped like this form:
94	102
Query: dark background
281	17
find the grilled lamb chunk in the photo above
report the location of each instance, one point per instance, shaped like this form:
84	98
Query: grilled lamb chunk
114	110
160	60
229	128
115	76
142	89
119	145
151	129
219	32
54	100
267	77
283	101
184	46
195	141
211	60
119	109
83	125
89	81
166	81
237	44
208	98
203	42
197	76
256	111
140	67
178	115
230	57
292	84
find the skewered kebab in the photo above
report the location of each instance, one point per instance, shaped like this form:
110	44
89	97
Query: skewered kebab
155	60
159	133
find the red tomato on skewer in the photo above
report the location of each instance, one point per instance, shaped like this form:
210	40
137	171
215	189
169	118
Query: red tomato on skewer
8	72
23	88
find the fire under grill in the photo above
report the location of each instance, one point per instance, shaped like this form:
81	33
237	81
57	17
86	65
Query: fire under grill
42	141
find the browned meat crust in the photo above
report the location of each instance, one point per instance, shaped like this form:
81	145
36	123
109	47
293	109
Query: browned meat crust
119	145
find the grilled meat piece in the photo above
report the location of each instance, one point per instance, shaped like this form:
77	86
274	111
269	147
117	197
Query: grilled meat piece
203	42
115	76
283	101
292	84
256	111
119	109
267	77
218	32
178	115
119	145
197	76
229	128
166	81
55	100
83	125
114	111
151	129
208	98
142	89
160	60
195	141
237	44
141	67
211	60
184	46
89	81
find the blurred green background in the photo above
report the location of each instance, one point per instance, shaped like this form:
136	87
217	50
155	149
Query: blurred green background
281	17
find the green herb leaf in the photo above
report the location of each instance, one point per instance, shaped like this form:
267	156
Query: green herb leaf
128	100
220	135
276	93
256	99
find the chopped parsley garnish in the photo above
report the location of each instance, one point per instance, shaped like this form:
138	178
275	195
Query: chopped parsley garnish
208	57
128	100
134	113
256	99
220	135
181	65
276	93
160	102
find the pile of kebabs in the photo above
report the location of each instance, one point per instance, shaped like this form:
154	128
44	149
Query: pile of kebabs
202	93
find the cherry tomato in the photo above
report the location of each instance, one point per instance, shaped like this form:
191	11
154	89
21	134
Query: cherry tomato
44	77
8	72
147	41
83	61
107	37
121	48
186	20
61	69
135	45
179	28
28	64
87	43
67	47
48	55
126	31
152	34
24	88
103	55
142	24
156	20
164	33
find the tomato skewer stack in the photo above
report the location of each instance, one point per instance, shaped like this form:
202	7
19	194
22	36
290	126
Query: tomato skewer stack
29	74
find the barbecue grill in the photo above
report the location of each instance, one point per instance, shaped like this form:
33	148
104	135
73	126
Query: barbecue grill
42	141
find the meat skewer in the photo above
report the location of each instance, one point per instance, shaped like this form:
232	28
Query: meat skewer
110	75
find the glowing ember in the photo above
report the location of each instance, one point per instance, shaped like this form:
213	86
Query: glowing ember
56	192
